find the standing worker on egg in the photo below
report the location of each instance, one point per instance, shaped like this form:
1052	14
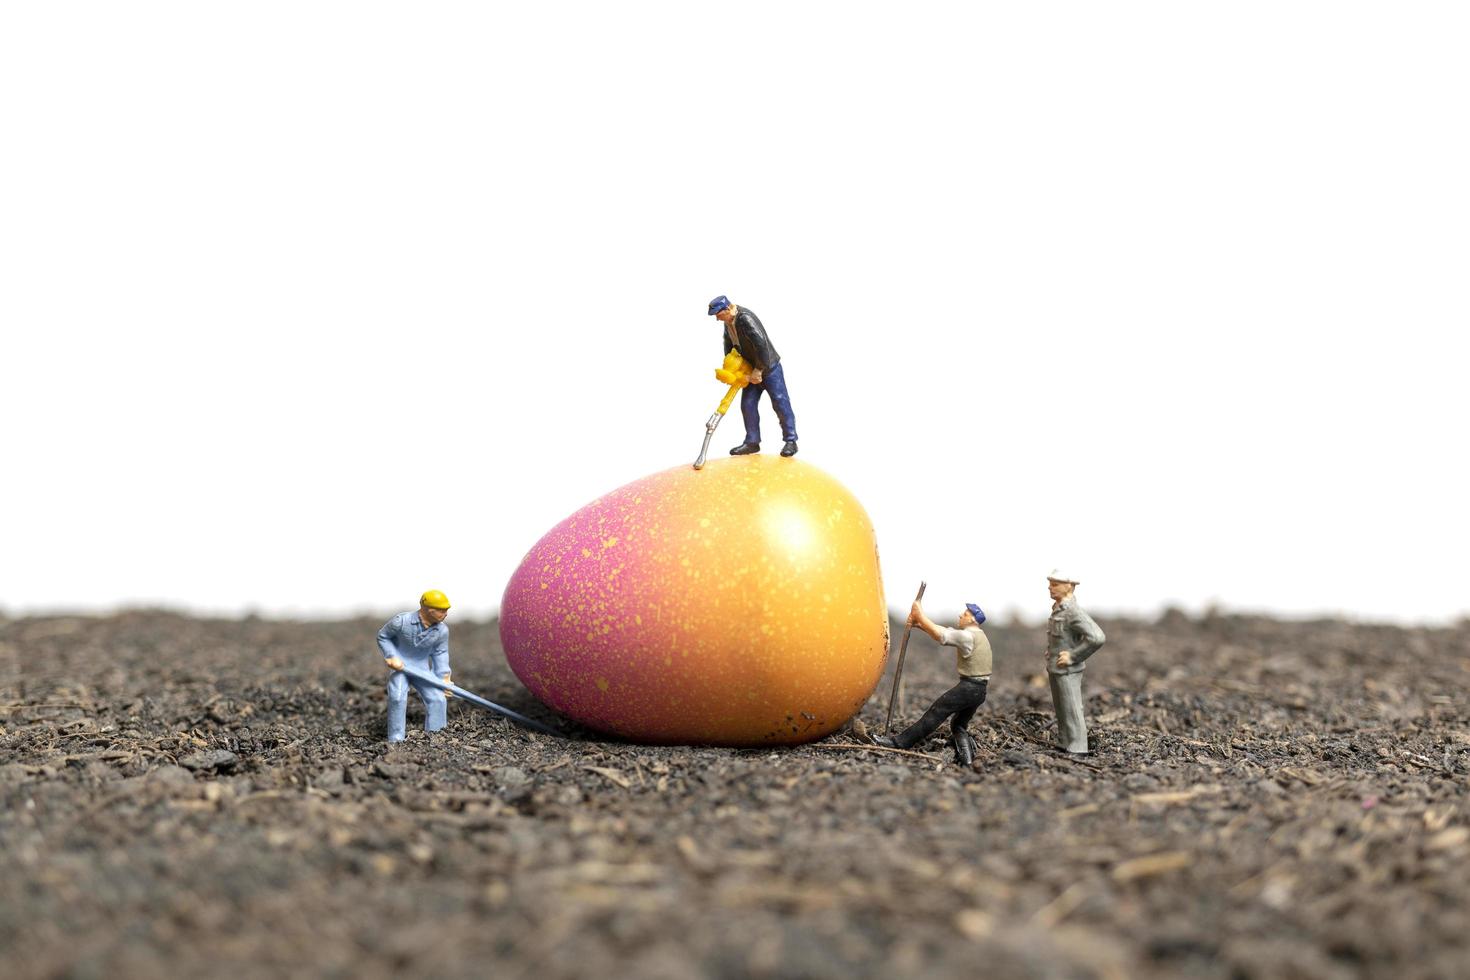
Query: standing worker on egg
420	640
745	332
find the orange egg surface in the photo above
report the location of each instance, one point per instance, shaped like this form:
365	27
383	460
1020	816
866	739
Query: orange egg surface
740	604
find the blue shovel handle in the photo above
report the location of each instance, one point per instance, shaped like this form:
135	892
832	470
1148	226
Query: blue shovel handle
460	692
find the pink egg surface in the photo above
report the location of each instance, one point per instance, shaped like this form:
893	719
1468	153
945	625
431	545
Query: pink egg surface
741	604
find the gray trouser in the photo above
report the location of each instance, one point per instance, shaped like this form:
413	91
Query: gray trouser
1066	698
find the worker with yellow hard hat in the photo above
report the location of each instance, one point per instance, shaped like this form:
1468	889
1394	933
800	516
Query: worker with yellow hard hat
420	639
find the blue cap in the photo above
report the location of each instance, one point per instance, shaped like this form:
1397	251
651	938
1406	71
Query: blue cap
977	612
718	303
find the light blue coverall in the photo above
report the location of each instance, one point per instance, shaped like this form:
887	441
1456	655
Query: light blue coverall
421	648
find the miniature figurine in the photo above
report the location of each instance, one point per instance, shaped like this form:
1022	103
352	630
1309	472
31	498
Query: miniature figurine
959	703
419	640
1071	637
745	333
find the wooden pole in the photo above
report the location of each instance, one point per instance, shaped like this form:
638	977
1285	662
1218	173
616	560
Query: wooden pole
903	649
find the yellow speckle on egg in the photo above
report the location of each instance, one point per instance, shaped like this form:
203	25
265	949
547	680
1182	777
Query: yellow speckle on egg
602	684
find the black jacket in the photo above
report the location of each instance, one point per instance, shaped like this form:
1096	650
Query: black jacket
754	345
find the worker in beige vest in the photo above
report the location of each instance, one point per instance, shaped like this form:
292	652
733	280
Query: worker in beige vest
959	703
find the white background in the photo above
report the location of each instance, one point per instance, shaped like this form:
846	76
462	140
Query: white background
307	307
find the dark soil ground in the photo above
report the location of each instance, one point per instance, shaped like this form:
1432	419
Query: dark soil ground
201	797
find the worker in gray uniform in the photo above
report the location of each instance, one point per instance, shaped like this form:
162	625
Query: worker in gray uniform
1071	638
959	703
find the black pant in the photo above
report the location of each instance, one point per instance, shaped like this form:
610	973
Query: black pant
961	701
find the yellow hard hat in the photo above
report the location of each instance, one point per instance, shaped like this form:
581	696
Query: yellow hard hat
434	599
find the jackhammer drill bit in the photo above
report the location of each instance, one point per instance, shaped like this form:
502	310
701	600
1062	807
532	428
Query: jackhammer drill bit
735	373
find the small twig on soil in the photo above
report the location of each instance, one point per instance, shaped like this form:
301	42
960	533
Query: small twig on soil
1157	731
877	748
30	707
1018	730
1053	912
1152	864
265	794
611	775
1179	796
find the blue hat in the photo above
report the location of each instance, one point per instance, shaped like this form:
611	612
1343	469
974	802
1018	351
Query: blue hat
717	304
977	612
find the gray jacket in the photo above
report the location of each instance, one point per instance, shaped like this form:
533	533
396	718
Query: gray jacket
1071	629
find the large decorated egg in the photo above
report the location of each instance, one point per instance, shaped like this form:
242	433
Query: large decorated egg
740	604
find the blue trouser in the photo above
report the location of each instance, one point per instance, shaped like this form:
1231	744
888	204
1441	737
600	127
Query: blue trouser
433	698
773	383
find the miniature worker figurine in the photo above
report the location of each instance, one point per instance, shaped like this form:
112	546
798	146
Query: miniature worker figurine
744	332
421	640
1071	637
959	703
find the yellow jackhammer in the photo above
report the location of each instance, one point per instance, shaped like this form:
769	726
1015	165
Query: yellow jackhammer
735	373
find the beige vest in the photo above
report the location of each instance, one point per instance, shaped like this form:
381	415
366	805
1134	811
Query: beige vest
974	662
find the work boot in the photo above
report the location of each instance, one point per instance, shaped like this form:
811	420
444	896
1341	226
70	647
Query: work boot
745	449
789	449
885	740
964	748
